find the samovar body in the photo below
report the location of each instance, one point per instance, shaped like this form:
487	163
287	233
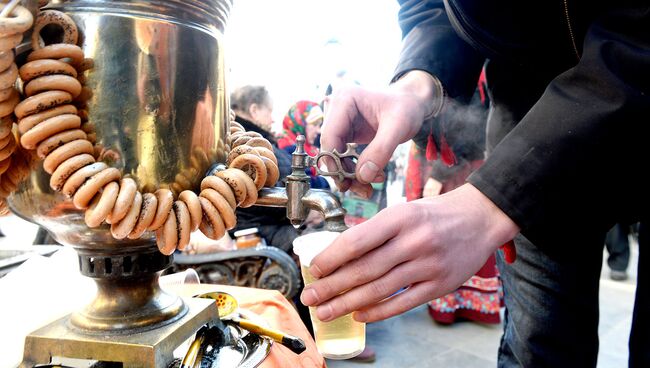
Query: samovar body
156	105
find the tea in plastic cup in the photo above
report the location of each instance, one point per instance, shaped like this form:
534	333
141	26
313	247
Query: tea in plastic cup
341	338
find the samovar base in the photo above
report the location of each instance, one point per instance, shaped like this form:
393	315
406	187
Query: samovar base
151	348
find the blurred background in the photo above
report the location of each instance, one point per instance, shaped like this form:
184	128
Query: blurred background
297	47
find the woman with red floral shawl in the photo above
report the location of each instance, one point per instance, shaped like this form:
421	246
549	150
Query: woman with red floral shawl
304	118
295	123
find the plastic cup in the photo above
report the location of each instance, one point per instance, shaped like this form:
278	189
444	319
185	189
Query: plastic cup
342	338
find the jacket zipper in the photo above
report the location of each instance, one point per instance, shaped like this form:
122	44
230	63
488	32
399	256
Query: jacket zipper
461	26
570	28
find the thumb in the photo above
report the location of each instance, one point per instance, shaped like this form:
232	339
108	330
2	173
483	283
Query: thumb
375	157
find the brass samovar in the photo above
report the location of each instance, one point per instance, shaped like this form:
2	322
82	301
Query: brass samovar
156	95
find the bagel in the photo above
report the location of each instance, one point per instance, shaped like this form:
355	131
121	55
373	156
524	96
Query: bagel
191	200
147	214
183	224
48	17
40	102
121	229
58	51
128	190
241	139
53	82
4	165
19	20
251	190
167	234
225	211
263	152
253	166
50	144
260	142
8	76
165	201
7	106
67	168
102	205
238	151
9	42
9	148
218	184
212	225
70	149
80	176
236	184
272	172
44	67
48	128
28	122
90	187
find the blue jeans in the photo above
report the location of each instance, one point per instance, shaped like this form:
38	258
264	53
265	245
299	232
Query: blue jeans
551	304
551	300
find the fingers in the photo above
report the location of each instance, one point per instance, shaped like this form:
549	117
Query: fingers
417	294
338	129
366	296
337	126
376	155
356	273
361	116
355	242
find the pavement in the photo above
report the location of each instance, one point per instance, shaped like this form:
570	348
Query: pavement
414	340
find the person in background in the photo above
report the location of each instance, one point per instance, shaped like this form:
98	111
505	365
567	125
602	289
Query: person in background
253	108
304	118
569	86
618	248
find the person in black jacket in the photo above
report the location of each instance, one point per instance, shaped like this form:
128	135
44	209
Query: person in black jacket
569	83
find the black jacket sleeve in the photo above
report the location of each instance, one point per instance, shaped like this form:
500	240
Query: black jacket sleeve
431	44
574	161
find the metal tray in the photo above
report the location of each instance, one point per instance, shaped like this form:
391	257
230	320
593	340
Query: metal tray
234	347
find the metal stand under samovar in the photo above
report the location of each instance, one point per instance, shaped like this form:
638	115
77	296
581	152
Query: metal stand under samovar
159	107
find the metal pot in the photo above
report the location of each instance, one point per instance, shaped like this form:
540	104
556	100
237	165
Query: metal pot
156	98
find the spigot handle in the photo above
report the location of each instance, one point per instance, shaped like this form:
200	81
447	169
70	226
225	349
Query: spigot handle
338	157
302	160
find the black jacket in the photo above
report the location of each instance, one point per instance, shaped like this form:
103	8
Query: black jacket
570	86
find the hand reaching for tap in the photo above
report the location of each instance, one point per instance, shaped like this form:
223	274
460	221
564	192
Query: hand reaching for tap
430	246
381	119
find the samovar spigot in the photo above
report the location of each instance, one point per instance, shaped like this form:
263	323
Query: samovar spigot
298	196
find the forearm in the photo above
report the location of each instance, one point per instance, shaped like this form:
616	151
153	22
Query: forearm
430	44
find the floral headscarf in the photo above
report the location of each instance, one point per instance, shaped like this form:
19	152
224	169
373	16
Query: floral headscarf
294	123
